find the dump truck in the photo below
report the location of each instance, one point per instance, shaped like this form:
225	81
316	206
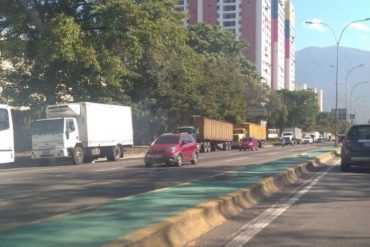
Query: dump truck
246	129
83	132
211	134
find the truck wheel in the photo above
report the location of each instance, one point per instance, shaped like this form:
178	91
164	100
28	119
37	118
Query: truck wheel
203	148
78	156
114	154
148	164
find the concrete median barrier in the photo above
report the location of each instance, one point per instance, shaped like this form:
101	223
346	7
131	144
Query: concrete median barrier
190	224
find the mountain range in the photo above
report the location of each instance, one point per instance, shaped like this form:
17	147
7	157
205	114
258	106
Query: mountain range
316	67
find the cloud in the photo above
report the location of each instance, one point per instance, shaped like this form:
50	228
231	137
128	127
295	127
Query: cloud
360	26
316	25
364	37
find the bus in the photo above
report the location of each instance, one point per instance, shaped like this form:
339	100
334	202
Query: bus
6	135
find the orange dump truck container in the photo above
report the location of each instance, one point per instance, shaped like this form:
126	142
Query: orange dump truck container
211	134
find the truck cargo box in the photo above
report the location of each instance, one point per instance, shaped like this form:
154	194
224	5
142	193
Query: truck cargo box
213	130
99	124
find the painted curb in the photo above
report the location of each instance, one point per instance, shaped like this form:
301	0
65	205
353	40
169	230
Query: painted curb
190	224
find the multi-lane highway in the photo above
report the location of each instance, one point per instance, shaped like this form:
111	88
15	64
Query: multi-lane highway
32	193
331	208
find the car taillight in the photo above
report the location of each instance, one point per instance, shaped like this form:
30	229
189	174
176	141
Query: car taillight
347	141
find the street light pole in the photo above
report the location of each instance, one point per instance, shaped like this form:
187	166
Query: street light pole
337	40
346	83
353	111
354	86
346	75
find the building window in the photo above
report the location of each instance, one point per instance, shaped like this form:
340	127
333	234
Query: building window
230	16
229	24
229	8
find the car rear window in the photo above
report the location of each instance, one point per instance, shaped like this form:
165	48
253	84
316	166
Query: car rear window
360	132
168	139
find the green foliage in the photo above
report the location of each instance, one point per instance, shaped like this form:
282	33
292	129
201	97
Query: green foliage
278	111
325	122
128	52
302	108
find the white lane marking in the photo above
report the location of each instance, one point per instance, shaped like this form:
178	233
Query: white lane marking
237	159
107	169
248	231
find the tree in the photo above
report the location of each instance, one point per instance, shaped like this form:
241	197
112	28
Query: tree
278	111
135	53
302	108
229	81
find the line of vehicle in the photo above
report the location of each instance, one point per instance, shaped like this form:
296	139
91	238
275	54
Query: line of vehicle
251	229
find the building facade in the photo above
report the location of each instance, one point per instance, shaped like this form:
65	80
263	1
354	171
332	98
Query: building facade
289	45
256	31
278	44
261	24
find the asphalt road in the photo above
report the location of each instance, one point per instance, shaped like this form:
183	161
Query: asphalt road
32	193
331	208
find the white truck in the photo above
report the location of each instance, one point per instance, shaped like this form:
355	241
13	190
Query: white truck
315	136
6	135
82	131
293	135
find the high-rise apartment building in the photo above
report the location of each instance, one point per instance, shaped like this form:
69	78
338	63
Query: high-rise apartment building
278	44
289	45
256	31
261	24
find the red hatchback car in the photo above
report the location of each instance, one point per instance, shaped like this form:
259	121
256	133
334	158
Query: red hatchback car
248	143
172	149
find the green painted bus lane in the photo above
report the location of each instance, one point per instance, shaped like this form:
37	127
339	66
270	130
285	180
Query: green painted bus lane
108	222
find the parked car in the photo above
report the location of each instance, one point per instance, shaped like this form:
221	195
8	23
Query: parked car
172	149
248	143
356	146
307	140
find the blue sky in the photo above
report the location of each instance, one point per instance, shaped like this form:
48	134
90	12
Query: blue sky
337	14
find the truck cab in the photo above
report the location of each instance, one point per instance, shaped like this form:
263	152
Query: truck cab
54	137
238	135
287	137
190	130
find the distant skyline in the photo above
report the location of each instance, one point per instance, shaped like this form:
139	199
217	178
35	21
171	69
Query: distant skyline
337	14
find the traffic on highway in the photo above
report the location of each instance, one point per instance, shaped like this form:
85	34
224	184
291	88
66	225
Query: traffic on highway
184	123
47	196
